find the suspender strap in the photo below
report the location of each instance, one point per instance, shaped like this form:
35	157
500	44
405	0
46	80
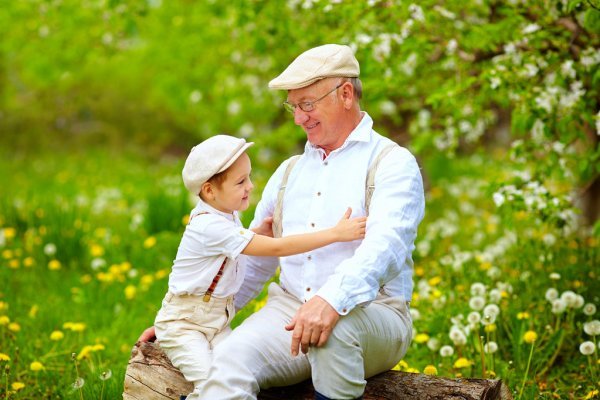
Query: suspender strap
215	280
370	182
278	211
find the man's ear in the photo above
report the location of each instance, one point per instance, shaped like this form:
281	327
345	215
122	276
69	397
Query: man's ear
347	94
206	191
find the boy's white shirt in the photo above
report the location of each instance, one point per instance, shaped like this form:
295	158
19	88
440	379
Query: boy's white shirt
207	240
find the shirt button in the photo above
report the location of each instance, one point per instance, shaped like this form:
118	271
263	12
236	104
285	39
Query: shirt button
325	163
318	193
312	224
344	310
309	257
308	289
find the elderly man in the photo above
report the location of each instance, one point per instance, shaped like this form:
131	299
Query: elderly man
339	314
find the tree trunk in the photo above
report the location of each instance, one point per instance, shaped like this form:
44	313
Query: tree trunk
151	376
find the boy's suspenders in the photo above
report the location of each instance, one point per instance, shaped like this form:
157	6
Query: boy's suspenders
215	281
369	186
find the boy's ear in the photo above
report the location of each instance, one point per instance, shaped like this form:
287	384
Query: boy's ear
206	190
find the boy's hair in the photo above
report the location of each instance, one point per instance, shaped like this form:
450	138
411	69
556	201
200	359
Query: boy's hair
217	180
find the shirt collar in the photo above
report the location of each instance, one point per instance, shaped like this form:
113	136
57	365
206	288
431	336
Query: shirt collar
362	133
203	206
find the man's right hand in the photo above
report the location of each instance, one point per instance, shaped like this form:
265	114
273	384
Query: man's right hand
149	335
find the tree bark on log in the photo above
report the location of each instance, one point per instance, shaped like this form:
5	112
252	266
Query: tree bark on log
151	376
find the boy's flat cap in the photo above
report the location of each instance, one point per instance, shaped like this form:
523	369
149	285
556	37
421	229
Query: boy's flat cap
329	60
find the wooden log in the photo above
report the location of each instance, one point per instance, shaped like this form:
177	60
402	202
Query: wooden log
151	376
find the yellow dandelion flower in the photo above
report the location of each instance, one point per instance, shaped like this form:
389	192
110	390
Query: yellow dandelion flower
130	292
3	305
486	265
521	215
124	266
85	352
401	366
36	366
42	230
490	374
490	328
462	362
10	233
96	250
591	394
15	327
100	232
412	370
523	315
16	386
57	335
54	265
435	293
530	337
4	320
149	242
29	262
435	280
147	279
161	273
421	338
6	254
14	264
430	370
39	212
87	278
78	327
4	357
33	311
577	284
98	347
185	220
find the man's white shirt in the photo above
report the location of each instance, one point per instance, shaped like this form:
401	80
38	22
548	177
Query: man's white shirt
318	192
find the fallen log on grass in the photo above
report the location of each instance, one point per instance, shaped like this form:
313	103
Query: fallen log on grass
151	376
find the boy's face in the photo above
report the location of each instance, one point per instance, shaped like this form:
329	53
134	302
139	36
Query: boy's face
234	192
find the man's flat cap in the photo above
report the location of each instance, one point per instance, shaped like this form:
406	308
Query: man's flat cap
329	60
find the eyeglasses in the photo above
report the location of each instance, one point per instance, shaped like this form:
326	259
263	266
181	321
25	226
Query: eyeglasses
308	106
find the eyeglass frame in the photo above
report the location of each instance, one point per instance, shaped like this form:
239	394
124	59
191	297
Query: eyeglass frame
308	104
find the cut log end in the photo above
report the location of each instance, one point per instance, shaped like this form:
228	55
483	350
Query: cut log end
151	376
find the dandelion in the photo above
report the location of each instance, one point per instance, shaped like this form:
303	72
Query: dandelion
592	328
490	347
490	328
130	292
569	297
28	262
96	250
462	362
430	370
587	348
477	289
16	386
4	320
492	310
78	384
495	295
530	337
589	309
555	276
421	338
36	366
50	249
54	265
457	336
558	306
433	344
446	351
57	335
523	315
149	242
551	294
4	357
477	303
15	327
474	317
401	366
106	375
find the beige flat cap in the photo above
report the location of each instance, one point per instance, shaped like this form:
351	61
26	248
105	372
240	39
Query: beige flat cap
317	63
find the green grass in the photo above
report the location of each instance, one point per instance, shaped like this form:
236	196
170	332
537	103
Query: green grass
115	221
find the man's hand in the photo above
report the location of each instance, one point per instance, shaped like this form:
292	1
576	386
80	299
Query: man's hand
312	324
265	228
149	335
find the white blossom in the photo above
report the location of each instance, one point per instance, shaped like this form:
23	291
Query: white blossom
433	344
567	69
50	249
531	28
490	347
551	294
474	317
195	96
477	303
416	12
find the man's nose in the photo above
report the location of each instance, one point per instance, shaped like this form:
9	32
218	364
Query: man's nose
300	116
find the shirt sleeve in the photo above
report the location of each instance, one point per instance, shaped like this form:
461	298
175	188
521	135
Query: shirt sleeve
225	237
397	207
260	269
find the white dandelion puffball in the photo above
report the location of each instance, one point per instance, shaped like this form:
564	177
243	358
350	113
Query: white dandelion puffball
592	328
478	289
587	348
569	297
490	347
551	294
491	309
446	351
559	306
474	317
589	309
477	303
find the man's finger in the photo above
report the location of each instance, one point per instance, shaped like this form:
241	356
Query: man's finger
296	339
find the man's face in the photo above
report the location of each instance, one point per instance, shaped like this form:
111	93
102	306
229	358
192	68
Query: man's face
320	124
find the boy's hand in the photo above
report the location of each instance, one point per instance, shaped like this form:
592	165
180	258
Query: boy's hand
265	228
350	229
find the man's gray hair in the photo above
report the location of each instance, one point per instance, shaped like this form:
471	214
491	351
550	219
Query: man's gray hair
357	85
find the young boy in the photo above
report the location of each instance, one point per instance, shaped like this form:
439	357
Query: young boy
210	264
